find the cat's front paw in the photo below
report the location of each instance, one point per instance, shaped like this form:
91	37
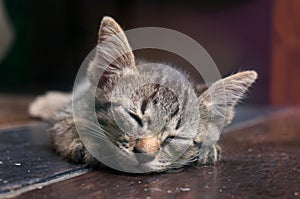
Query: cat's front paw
209	155
76	151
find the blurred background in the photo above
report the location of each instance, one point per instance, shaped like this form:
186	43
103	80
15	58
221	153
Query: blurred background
43	43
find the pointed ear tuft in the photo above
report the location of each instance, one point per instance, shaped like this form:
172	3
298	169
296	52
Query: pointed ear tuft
221	97
109	28
113	55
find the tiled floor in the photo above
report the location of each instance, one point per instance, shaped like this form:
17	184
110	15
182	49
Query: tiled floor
260	159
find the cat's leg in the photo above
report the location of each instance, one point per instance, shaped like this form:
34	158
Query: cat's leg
78	153
66	141
68	144
209	155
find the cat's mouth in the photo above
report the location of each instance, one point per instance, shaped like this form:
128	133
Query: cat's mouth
143	158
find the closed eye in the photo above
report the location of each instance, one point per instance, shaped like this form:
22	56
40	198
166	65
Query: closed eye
136	118
172	137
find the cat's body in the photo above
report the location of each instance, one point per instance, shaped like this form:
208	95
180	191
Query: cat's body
142	113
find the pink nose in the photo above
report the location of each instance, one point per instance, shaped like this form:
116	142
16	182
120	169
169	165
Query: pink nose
147	145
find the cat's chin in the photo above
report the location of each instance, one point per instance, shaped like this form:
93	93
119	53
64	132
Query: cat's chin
144	158
154	166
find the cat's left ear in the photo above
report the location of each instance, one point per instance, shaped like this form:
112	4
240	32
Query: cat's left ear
218	101
113	54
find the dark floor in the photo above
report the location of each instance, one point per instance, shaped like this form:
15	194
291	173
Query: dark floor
261	158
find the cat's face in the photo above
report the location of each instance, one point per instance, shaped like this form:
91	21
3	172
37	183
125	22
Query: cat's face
151	112
152	117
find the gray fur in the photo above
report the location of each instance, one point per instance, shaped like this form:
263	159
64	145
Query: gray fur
140	116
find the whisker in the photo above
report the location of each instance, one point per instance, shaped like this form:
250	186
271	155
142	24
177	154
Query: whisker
95	130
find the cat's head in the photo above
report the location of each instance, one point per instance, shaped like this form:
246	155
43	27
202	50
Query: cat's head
151	109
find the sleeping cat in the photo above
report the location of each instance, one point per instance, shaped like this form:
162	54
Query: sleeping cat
151	119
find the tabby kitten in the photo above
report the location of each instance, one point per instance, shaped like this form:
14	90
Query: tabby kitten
140	116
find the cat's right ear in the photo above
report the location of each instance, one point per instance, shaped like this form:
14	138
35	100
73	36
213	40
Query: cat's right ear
113	55
221	97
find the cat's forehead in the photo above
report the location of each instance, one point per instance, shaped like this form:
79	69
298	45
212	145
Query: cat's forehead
153	92
155	95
